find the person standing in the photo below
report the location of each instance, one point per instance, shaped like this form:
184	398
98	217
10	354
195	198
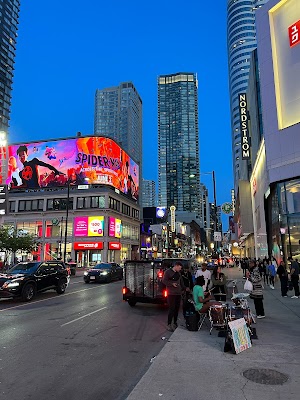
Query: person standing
174	284
206	275
219	284
272	274
257	293
265	271
294	272
283	276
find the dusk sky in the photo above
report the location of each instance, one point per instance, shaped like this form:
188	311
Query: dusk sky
67	49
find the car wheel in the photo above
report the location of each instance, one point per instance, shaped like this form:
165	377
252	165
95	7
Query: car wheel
87	280
28	292
132	303
61	286
108	279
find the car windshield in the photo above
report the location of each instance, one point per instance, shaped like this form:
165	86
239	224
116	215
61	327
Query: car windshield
102	266
24	268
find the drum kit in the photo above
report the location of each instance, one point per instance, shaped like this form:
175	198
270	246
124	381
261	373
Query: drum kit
221	314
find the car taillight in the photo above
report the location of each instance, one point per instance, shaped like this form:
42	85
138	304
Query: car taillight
160	274
124	290
165	293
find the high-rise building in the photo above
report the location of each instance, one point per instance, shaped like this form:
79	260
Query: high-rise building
118	115
148	193
241	41
178	142
9	15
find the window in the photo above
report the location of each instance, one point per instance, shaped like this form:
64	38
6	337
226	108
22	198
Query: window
31	205
114	204
125	209
135	213
12	206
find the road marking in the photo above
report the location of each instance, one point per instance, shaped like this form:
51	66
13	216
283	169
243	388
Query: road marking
50	298
83	316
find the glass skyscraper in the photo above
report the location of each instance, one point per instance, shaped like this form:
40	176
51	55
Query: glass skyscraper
118	115
178	142
241	41
9	15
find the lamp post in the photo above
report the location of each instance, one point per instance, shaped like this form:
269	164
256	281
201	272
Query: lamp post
67	216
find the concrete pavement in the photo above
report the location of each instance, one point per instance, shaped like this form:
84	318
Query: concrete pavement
193	366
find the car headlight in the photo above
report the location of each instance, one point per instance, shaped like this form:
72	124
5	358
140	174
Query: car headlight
11	284
85	273
104	273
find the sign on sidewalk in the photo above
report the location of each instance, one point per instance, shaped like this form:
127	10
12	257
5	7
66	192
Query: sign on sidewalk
240	335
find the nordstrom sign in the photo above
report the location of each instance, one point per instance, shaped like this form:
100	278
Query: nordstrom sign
245	138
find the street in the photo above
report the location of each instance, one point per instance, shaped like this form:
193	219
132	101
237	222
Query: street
85	344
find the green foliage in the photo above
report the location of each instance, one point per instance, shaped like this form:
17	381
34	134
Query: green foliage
12	240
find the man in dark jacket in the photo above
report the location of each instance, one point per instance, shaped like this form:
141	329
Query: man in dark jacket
174	284
295	277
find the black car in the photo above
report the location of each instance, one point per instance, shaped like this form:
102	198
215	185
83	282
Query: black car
103	272
27	278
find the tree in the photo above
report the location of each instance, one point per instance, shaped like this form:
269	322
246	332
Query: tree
13	240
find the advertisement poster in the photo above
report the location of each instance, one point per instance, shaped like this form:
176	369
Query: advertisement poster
240	335
88	226
95	226
80	161
118	228
112	227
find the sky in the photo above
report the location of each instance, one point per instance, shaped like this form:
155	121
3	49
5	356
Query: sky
68	49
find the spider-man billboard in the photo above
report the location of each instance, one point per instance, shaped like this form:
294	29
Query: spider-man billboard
84	160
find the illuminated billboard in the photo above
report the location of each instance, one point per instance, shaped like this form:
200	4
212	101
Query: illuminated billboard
88	226
285	38
80	161
115	227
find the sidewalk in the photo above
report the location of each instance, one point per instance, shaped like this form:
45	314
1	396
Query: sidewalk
193	366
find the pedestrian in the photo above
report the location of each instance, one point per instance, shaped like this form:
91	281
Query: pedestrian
218	280
174	284
244	267
272	273
265	271
187	279
257	292
206	275
283	276
294	272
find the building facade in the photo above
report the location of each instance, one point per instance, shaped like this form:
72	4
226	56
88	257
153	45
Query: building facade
178	142
148	193
241	41
9	16
72	195
118	115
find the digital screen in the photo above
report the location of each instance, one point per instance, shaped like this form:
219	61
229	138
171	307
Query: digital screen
80	161
88	226
115	227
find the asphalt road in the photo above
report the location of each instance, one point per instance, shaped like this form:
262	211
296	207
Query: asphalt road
86	344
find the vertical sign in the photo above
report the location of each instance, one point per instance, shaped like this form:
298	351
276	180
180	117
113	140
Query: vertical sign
172	209
294	34
112	227
233	200
245	139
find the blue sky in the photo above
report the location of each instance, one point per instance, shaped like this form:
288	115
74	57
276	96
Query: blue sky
67	49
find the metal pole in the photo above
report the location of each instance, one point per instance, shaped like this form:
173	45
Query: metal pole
216	208
61	222
67	216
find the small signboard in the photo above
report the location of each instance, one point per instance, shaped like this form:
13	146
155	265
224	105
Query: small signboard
240	335
218	236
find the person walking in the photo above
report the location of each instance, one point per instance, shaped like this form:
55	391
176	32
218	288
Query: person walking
294	272
244	267
272	273
265	271
283	276
175	286
257	293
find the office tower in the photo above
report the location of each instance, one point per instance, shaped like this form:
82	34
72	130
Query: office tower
118	115
9	15
241	41
148	193
178	142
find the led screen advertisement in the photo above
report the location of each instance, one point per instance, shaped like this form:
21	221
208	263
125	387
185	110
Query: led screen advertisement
88	226
115	227
83	160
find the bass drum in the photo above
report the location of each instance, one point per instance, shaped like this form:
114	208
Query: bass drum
236	312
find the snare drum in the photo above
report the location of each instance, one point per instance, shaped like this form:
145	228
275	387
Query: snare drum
239	312
218	315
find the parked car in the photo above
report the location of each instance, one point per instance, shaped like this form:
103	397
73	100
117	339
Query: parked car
103	272
27	278
71	266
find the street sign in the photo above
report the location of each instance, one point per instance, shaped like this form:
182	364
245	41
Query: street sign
226	208
218	236
83	187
